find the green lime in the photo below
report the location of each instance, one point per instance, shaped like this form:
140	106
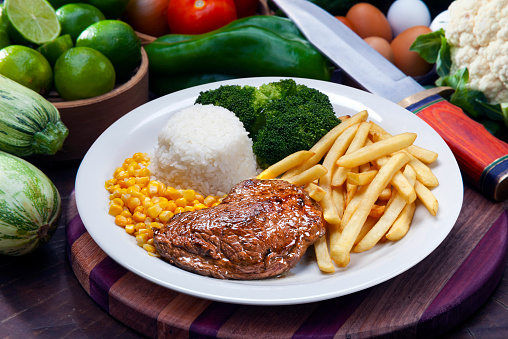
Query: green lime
116	40
53	49
4	22
74	18
27	67
56	4
4	39
82	72
31	21
111	8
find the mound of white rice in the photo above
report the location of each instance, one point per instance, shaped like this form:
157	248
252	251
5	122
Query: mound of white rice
204	148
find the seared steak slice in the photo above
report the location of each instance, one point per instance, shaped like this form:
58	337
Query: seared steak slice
260	230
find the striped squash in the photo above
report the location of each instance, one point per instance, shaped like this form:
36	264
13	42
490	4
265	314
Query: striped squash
30	206
29	124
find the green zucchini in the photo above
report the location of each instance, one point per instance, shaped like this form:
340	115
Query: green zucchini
30	206
29	124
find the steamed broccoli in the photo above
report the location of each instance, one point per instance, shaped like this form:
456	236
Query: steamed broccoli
293	124
281	117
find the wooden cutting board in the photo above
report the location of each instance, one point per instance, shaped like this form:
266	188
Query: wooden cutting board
427	300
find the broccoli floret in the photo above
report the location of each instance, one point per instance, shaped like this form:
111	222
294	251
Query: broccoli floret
244	101
278	90
293	124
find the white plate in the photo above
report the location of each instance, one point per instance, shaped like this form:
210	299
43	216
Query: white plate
137	131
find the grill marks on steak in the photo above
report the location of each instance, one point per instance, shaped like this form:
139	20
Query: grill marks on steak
261	229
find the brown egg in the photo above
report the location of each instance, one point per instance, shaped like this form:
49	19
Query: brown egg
368	21
409	62
382	46
346	22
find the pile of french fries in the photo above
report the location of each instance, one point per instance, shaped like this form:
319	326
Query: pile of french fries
367	183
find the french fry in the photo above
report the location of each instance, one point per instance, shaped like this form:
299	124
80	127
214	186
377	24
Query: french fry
362	178
324	261
424	155
324	144
340	253
401	226
405	189
352	205
423	172
338	148
315	192
392	211
427	197
377	149
377	211
309	175
386	194
285	164
339	176
366	228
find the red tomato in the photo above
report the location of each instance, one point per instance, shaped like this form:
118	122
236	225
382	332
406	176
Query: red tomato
246	7
199	16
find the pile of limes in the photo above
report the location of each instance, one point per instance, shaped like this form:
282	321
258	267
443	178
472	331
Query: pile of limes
79	49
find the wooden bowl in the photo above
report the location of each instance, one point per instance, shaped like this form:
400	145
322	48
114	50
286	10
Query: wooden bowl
86	119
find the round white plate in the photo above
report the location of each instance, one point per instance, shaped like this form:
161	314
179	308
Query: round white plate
137	132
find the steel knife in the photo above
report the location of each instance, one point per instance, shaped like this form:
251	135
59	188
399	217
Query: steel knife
482	158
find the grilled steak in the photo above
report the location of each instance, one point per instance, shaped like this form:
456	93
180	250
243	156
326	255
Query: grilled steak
261	229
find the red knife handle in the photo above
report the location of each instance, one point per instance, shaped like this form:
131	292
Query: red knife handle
482	158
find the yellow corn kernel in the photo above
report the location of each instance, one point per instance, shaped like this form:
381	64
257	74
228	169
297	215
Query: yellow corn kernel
134	189
133	168
155	224
117	171
122	175
121	220
164	216
139	208
179	210
115	210
143	231
129	228
129	181
156	255
153	211
117	201
147	203
138	217
139	156
199	206
209	201
133	202
141	239
148	220
142	180
150	241
139	226
199	197
149	248
126	213
110	182
118	193
189	194
181	202
171	206
173	194
144	172
189	208
144	191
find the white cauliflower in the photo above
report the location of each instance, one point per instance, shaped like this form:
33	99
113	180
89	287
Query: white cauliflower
478	34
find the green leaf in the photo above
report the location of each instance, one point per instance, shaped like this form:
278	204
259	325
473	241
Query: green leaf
444	59
429	45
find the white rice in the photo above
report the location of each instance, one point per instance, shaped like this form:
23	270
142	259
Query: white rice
204	148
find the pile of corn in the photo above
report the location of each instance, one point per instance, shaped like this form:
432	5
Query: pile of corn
140	204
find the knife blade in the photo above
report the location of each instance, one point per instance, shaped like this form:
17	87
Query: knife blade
482	158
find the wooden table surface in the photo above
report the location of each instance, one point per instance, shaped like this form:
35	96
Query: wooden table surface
41	297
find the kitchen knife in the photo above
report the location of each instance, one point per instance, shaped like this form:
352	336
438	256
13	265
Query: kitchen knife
483	158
